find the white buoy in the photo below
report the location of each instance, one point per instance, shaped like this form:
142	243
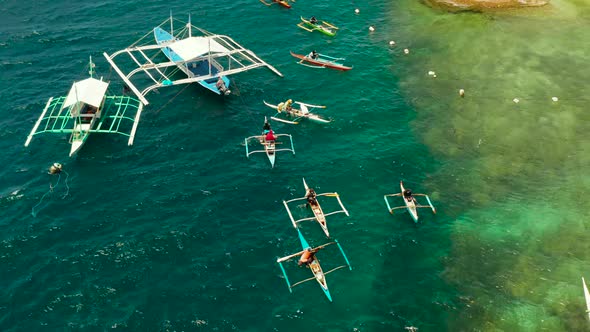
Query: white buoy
555	99
461	92
356	11
371	28
406	51
515	100
391	43
431	73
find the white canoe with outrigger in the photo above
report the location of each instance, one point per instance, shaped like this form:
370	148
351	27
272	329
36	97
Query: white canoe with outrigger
410	202
269	146
314	265
318	213
586	297
88	109
207	59
303	112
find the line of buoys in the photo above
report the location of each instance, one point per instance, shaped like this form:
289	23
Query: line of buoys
432	73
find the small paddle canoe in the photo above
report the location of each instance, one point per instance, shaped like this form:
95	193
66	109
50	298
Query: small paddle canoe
322	61
324	27
270	147
410	202
283	3
587	297
318	274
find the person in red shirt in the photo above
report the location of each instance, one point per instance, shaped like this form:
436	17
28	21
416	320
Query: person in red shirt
270	136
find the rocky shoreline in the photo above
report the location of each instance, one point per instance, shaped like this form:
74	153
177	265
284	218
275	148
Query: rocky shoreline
484	5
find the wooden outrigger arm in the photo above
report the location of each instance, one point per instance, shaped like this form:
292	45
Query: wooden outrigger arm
403	206
409	204
302	26
248	152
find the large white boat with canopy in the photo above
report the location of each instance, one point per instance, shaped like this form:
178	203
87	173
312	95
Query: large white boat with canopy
206	59
88	109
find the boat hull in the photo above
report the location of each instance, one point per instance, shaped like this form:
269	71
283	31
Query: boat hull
192	69
284	4
270	148
319	216
410	205
315	266
319	275
318	213
80	135
321	63
586	297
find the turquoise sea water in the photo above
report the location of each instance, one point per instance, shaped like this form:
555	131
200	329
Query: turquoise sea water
180	232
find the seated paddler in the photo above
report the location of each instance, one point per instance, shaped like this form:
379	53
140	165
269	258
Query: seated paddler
307	257
313	55
407	193
270	136
220	85
311	197
313	20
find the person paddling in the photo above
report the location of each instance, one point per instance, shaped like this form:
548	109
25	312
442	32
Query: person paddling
307	257
311	197
270	136
407	193
313	55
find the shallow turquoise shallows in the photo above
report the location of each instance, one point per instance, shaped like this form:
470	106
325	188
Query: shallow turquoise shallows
181	232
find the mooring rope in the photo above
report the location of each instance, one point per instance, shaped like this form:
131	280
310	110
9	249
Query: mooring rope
51	188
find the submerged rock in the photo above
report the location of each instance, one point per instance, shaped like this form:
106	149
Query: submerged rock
481	5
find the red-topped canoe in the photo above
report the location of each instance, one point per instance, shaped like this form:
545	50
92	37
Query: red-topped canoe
284	3
322	61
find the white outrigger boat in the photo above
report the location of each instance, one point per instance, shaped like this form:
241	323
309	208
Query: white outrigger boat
318	213
587	297
410	203
303	112
316	268
269	146
206	59
87	109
